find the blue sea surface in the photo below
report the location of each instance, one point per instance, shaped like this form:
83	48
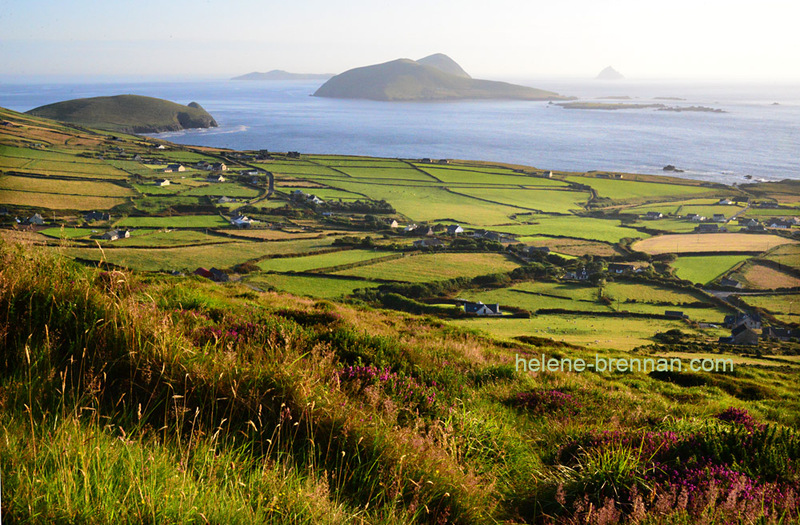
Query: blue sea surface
758	135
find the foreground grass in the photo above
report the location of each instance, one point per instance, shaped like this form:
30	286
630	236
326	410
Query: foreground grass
128	399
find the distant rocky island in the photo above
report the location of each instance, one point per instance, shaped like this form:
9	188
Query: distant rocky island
609	73
128	114
610	106
435	77
279	74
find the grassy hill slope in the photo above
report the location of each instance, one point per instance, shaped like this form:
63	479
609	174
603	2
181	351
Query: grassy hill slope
128	113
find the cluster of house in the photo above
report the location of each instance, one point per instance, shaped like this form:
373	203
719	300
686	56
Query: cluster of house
113	235
583	274
434	161
241	221
300	195
744	328
96	216
211	166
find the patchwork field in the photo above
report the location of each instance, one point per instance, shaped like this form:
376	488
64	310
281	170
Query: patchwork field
434	267
761	277
314	262
785	308
703	270
710	242
307	285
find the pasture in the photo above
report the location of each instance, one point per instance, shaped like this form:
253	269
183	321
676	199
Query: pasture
605	230
434	267
320	261
628	190
176	221
319	286
762	277
704	269
64	187
709	242
785	307
547	201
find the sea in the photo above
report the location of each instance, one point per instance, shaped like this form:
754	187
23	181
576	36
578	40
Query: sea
756	137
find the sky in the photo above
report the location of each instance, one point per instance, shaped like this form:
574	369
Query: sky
501	39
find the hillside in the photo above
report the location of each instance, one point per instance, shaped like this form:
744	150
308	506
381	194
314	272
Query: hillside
128	113
278	74
445	63
314	365
408	80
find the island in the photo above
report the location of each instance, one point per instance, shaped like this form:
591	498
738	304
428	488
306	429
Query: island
279	74
436	77
609	73
609	106
128	114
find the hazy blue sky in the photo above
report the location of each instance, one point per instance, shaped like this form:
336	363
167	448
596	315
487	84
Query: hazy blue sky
497	39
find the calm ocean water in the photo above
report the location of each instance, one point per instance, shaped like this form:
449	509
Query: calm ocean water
754	137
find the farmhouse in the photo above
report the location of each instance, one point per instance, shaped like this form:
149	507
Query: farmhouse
726	202
219	166
676	314
215	178
619	268
428	243
653	215
203	165
410	228
578	275
781	334
393	224
719	217
172	168
161	182
454	229
242	221
750	320
696	218
113	235
732	283
96	216
219	276
710	228
35	219
481	309
779	224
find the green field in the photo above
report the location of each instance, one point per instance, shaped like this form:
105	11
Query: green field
65	187
593	332
627	190
309	285
572	226
547	201
514	296
702	269
787	255
177	221
458	176
69	233
430	203
189	258
228	189
400	174
325	260
160	239
434	267
785	307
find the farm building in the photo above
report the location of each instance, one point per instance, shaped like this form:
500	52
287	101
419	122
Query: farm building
719	217
454	229
428	243
710	228
750	320
741	335
242	221
219	166
35	219
730	282
676	314
215	178
578	275
174	168
479	308
619	268
780	224
96	216
162	182
113	235
393	224
653	215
